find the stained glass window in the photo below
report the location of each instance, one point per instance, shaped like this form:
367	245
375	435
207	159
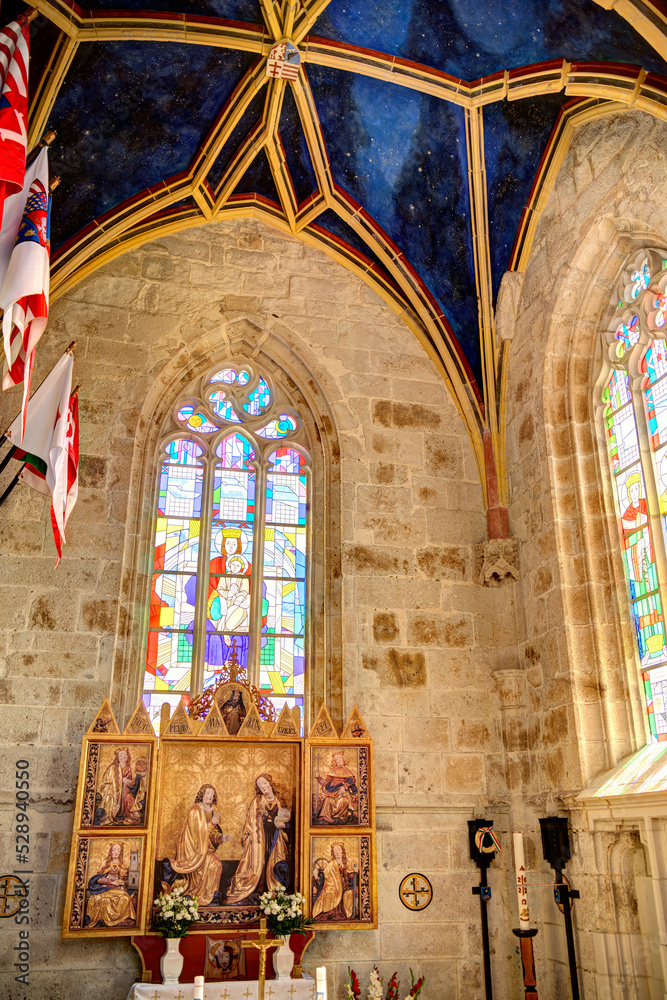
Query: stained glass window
235	474
634	411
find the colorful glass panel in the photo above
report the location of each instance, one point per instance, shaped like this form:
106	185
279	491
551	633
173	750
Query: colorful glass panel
656	412
173	600
231	548
622	441
231	377
287	460
283	606
641	278
627	335
236	452
282	665
650	629
258	400
184	452
233	495
223	408
655	689
176	545
218	649
228	608
285	499
283	425
195	419
168	661
180	490
617	390
285	552
654	362
660	304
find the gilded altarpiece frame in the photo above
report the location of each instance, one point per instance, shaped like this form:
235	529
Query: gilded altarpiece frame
227	817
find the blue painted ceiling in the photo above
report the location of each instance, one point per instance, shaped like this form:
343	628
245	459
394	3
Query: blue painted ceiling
130	114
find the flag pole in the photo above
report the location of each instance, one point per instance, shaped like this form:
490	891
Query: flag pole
11	485
10	454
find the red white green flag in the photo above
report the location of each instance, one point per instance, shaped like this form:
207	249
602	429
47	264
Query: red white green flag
50	445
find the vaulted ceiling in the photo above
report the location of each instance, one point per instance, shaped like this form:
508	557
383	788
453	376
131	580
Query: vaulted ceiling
416	143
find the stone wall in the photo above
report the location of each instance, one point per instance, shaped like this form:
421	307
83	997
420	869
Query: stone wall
584	710
419	635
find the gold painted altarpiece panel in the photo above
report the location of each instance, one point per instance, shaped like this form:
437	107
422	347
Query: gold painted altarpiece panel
224	816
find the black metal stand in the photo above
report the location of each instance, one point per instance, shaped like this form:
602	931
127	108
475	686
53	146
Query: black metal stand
482	859
556	850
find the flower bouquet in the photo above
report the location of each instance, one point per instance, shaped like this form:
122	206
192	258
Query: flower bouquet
353	988
284	912
174	913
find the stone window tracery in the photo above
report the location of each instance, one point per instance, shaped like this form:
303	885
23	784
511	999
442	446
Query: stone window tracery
634	414
231	546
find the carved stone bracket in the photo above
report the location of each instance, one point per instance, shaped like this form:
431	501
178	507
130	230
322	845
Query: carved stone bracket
498	559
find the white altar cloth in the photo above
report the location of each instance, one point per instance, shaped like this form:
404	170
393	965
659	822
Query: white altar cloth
274	989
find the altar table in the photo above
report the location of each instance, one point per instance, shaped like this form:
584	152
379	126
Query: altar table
274	989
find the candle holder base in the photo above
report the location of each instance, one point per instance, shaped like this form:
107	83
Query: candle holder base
525	937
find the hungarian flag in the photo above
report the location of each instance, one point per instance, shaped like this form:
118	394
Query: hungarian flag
14	59
24	295
50	445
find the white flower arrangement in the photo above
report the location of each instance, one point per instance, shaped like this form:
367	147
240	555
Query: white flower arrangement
175	913
284	912
374	986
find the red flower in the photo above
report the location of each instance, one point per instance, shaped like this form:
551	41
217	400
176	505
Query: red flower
392	989
354	984
416	986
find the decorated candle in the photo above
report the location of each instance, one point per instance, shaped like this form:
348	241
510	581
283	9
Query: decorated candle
321	983
199	988
521	888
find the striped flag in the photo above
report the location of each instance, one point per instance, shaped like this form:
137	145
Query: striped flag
14	60
24	295
50	444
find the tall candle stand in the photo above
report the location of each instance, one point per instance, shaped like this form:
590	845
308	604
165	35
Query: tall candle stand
524	931
556	851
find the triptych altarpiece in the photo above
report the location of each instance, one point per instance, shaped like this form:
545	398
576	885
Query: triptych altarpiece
226	808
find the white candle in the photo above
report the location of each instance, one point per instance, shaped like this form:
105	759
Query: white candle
521	888
321	983
199	988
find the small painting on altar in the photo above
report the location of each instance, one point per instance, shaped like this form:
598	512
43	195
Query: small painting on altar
116	784
228	825
105	886
340	880
234	704
339	781
224	959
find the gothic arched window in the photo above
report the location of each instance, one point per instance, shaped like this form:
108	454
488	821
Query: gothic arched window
634	400
231	543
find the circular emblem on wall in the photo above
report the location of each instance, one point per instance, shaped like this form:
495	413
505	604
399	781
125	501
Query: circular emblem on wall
12	893
415	891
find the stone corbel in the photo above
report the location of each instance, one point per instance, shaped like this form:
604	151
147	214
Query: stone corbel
499	561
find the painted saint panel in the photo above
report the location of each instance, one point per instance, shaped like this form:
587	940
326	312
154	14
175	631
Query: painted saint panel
105	893
116	789
339	782
340	880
